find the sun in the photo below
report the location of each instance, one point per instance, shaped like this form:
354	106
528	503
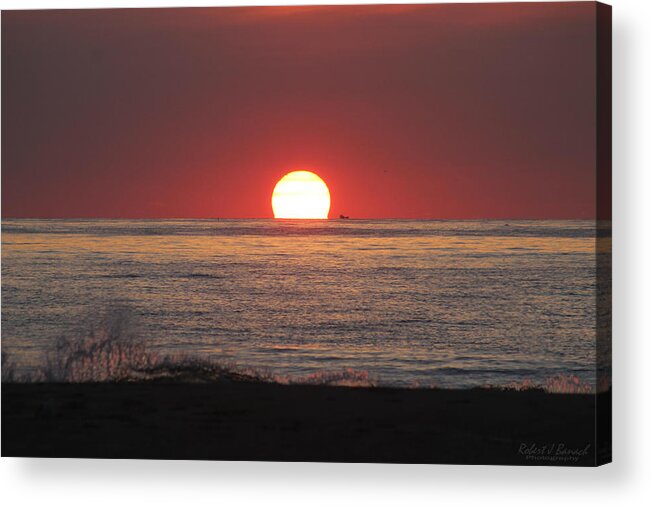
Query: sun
301	195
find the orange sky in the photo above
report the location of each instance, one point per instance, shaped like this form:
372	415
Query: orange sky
440	111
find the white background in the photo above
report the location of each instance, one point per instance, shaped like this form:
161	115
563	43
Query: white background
626	481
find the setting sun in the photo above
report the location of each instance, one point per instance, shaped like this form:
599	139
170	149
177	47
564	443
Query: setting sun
301	195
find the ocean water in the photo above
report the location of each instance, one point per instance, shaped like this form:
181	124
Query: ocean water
451	303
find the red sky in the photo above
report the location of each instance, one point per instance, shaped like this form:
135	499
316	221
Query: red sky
440	111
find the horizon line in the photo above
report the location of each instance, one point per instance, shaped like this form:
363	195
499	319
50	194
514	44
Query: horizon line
594	218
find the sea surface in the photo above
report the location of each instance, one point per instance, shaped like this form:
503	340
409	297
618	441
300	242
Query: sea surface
450	303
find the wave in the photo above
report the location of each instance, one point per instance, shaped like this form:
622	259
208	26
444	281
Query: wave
111	350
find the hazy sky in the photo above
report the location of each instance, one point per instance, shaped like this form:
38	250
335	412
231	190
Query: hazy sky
440	111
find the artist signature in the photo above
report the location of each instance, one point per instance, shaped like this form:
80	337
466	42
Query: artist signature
552	452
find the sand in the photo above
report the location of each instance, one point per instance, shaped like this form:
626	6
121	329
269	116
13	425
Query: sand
259	421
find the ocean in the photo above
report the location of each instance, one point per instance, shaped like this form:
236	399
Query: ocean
412	302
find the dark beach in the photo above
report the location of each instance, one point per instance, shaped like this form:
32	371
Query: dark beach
262	421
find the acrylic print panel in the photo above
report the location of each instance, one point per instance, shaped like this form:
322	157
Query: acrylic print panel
352	234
